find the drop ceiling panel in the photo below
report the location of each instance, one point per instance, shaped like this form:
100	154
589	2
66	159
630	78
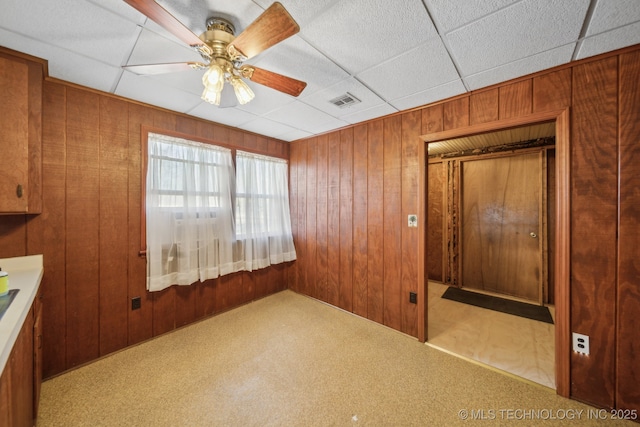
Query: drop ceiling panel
428	96
302	11
416	70
75	25
295	58
372	113
521	30
304	117
358	34
609	14
226	116
521	67
145	89
321	99
266	100
453	14
267	127
610	40
153	48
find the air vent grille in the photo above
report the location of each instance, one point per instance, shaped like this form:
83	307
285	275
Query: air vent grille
345	100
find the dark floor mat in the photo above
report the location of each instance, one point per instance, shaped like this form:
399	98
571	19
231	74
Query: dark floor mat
522	309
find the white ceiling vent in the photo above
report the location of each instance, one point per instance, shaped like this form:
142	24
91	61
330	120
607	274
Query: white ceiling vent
345	100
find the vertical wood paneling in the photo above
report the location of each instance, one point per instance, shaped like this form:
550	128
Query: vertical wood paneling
515	99
256	284
346	220
393	223
185	304
13	236
333	220
456	113
82	226
301	248
360	203
321	219
206	298
432	119
483	107
628	346
411	129
114	186
375	221
294	197
230	292
311	254
53	286
140	322
593	231
35	138
552	91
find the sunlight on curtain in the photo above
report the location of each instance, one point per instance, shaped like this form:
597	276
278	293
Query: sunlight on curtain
263	222
189	212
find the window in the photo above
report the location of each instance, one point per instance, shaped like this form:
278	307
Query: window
198	226
263	222
189	215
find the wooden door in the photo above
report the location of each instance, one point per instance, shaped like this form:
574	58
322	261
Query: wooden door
501	229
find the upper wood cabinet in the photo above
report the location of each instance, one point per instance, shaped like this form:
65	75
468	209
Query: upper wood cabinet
20	133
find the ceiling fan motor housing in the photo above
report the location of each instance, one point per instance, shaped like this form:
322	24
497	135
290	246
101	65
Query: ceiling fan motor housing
219	34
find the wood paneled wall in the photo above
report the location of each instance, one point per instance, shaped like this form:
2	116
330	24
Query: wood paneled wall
351	194
89	229
377	172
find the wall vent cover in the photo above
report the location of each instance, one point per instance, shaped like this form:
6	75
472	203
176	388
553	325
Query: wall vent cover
345	100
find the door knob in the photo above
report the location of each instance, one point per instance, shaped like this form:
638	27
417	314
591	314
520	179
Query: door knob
532	234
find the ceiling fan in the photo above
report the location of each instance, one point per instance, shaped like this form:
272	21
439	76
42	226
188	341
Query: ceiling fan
224	53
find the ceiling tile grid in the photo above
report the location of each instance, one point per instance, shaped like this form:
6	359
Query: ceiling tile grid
518	31
390	55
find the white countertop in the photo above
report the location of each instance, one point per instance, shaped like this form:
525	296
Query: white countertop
25	273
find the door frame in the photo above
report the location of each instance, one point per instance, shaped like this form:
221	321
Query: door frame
562	227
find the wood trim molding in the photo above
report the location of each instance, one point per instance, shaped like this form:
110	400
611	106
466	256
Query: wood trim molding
563	232
563	254
547	116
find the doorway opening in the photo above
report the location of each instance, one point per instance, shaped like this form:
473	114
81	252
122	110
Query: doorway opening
505	338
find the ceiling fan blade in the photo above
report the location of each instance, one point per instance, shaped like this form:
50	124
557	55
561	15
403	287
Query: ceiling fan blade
174	67
274	25
273	80
152	10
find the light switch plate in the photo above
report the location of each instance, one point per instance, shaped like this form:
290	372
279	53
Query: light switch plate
413	220
580	343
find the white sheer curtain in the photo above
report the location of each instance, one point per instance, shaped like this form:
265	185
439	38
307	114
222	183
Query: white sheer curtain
263	221
190	224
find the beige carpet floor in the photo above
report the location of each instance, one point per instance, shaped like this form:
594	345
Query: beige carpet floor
288	360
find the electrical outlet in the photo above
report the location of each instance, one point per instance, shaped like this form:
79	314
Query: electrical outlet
413	298
136	303
580	343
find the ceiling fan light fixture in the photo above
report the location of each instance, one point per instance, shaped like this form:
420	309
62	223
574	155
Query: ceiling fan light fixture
242	90
210	96
213	78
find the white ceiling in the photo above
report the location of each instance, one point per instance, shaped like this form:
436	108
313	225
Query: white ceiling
392	55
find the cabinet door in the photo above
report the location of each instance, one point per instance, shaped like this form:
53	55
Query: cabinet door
16	382
14	135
